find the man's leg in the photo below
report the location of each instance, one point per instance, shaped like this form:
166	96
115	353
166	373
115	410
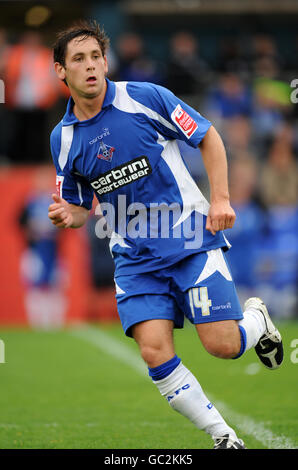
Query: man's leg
155	340
229	339
221	338
175	382
212	304
261	333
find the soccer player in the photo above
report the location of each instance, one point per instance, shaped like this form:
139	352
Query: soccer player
118	140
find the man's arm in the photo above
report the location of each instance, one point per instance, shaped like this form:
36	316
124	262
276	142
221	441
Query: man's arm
221	215
65	215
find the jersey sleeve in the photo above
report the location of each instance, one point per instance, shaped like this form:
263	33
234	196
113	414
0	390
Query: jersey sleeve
73	188
178	119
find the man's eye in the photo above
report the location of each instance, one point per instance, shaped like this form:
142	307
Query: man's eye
78	59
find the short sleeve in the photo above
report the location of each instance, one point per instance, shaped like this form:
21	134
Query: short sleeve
73	188
183	122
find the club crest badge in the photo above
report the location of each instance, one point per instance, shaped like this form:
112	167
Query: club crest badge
105	152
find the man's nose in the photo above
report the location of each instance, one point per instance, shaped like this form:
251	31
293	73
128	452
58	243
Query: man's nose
90	64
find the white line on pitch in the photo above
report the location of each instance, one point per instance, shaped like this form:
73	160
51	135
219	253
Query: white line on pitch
257	430
111	346
117	349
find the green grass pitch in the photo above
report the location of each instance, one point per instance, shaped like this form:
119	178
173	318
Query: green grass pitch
60	391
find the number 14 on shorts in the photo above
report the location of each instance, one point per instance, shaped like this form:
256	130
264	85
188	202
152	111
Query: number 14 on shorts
198	297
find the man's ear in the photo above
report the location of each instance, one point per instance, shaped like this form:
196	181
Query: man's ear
60	70
106	66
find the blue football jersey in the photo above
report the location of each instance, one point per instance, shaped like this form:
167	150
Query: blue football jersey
128	156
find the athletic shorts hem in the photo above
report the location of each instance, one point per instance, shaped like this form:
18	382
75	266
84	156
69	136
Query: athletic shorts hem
127	329
212	319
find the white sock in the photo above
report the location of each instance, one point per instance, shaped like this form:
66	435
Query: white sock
254	324
185	395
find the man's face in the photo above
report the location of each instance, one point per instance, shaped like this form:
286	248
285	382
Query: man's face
85	68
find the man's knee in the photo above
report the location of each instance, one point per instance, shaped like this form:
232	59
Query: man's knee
224	349
155	341
152	355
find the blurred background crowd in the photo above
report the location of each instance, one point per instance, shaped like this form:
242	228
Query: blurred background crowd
238	70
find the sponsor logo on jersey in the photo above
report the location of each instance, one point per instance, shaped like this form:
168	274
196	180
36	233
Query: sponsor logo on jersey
184	121
105	152
122	175
105	133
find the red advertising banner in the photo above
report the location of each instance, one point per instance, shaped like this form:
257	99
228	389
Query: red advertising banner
45	278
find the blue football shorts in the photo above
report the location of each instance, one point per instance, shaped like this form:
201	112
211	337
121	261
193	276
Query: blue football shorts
200	288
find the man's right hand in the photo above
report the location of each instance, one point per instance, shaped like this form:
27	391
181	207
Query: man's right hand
60	212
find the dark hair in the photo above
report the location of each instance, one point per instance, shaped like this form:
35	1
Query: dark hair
80	28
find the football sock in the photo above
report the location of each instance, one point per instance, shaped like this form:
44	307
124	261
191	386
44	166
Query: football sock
162	371
185	395
254	327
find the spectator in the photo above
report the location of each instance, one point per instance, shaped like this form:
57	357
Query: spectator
134	64
40	267
270	91
187	72
234	57
278	181
267	112
249	223
32	88
264	51
230	98
238	137
277	260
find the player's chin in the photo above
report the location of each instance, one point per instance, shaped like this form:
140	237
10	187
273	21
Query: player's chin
91	91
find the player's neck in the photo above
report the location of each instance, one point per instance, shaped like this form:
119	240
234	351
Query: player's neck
87	108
